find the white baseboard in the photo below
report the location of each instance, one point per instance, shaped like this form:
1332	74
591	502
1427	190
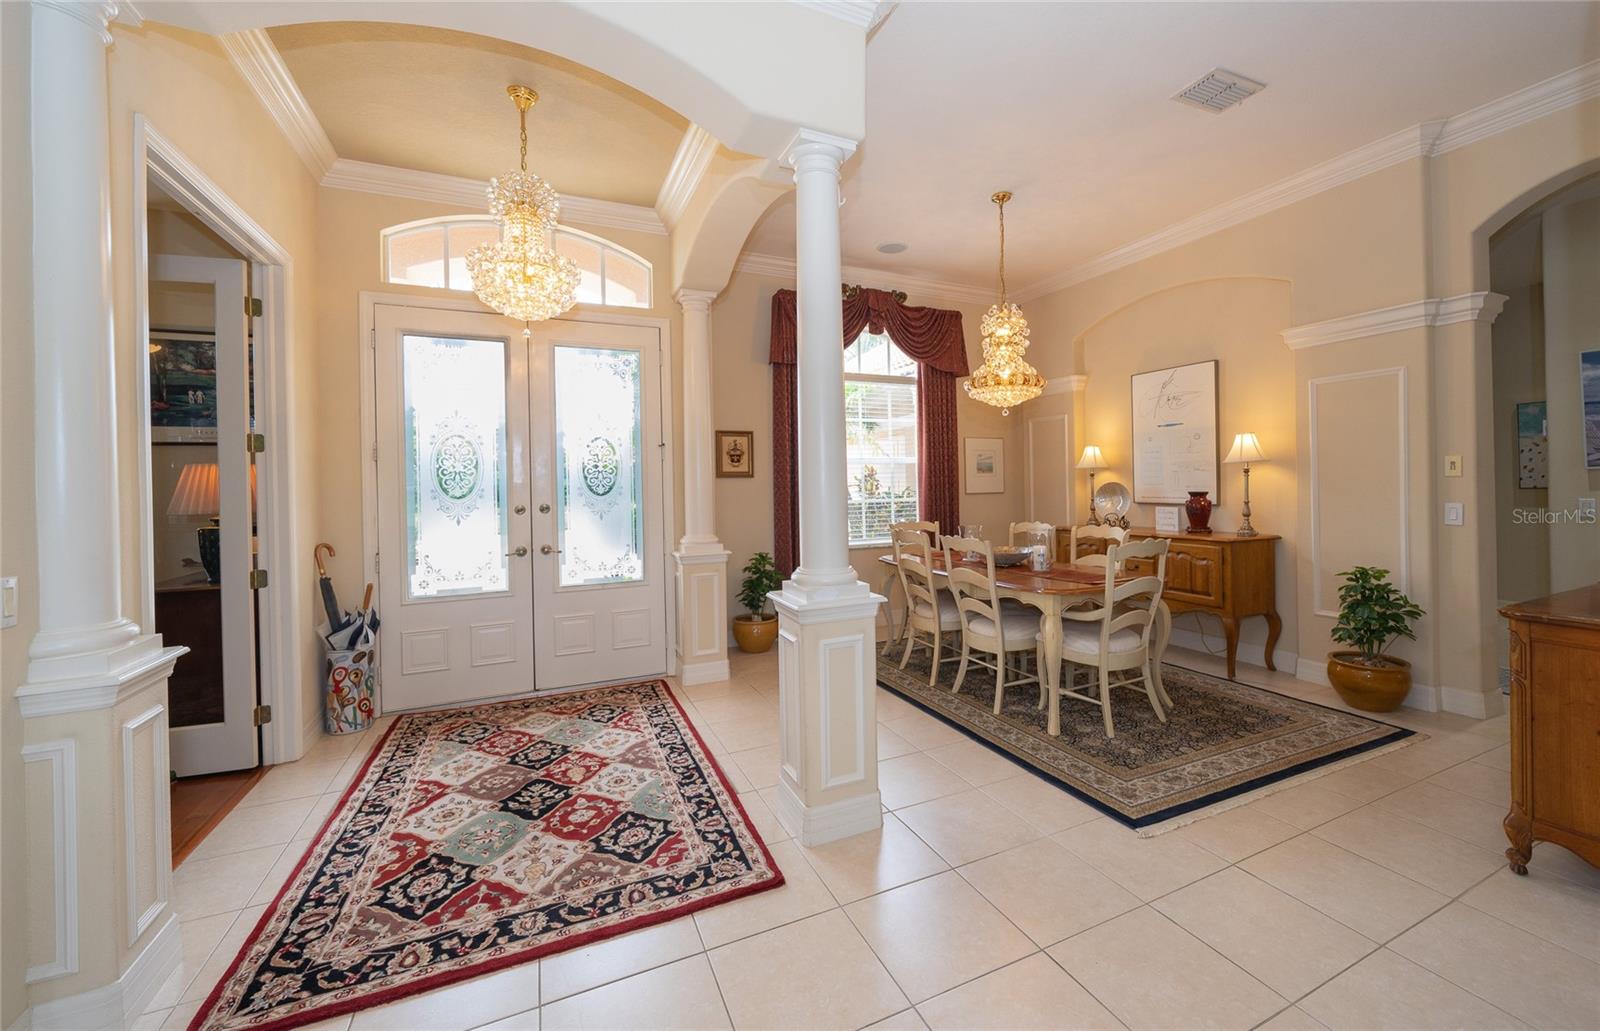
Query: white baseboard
119	1004
692	673
1253	653
24	1022
821	824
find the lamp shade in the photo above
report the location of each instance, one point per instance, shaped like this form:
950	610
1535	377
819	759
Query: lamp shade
196	492
1092	459
1246	448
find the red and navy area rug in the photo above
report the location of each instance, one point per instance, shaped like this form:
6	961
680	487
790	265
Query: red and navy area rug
480	838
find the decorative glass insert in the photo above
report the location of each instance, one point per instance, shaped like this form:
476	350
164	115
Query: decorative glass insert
600	481
457	531
880	412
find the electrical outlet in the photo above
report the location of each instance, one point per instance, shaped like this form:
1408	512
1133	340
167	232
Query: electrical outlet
1452	465
1455	513
8	601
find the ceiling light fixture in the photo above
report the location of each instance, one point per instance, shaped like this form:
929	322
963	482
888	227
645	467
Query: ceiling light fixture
891	248
520	274
1005	379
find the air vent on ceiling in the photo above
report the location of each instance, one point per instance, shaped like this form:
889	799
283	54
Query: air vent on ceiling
1218	90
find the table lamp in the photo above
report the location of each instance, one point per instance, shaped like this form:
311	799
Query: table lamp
1092	461
196	495
1246	449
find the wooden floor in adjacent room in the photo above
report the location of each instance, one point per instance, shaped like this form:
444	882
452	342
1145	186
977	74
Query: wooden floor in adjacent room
200	803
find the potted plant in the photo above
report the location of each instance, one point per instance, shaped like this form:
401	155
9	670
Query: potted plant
1373	614
756	630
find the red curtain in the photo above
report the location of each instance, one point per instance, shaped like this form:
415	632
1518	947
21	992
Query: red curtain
932	337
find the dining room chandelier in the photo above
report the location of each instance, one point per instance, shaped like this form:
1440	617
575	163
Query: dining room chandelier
520	274
1005	379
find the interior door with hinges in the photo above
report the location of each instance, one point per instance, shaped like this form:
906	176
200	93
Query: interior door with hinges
599	568
213	725
455	588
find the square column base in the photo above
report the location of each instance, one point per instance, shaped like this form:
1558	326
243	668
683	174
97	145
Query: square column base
827	715
702	615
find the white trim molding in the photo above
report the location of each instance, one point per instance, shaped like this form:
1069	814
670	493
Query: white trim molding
62	756
262	67
688	167
159	832
119	1004
917	287
1065	384
864	14
1433	311
1556	93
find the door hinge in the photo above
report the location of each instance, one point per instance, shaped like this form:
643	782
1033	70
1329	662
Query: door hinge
261	715
376	564
255	443
374	452
253	306
258	579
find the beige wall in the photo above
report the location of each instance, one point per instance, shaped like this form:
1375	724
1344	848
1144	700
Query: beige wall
741	337
1522	549
1572	325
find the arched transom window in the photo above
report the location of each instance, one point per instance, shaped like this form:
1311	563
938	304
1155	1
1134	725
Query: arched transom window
433	253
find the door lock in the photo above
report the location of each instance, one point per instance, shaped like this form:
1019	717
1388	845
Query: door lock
548	550
518	552
544	509
520	509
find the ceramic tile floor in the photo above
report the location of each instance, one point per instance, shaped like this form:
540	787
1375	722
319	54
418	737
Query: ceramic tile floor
1373	897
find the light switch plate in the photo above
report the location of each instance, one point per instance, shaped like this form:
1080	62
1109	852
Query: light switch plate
8	601
1455	513
1452	465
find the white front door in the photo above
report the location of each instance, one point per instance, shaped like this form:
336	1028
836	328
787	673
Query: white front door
223	734
520	537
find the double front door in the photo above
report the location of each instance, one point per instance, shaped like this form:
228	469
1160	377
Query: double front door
521	544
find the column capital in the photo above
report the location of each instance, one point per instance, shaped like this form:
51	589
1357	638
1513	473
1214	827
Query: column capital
812	150
98	16
695	300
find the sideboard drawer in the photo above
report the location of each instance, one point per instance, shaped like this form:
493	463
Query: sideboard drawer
1194	573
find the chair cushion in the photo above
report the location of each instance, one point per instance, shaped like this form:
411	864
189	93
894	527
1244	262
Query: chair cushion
1021	625
949	617
1085	637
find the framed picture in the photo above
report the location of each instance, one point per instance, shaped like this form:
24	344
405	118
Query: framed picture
1589	374
734	453
986	465
1533	455
183	387
1175	433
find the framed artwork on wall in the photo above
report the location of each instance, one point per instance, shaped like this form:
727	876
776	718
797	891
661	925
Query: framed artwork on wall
734	453
1589	375
1533	455
1175	433
183	387
986	465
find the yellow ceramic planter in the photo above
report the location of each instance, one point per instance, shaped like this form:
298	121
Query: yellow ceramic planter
755	635
1369	688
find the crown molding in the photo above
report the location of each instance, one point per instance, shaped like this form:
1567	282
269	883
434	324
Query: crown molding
460	191
262	67
1433	311
689	165
864	14
1065	384
920	287
1428	139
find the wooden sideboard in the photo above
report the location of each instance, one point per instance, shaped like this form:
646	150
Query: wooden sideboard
1222	574
1555	725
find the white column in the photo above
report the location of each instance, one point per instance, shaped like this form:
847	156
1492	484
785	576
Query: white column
702	560
827	661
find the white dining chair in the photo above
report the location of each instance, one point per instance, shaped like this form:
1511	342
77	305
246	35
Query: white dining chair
987	625
1113	642
930	530
929	610
1112	535
1021	529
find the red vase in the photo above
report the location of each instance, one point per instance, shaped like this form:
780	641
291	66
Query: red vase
1198	508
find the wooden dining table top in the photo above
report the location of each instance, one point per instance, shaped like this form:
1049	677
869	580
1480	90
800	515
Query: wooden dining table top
1061	578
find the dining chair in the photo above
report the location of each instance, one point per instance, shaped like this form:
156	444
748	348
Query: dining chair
1113	642
988	625
930	531
1112	535
929	610
1048	529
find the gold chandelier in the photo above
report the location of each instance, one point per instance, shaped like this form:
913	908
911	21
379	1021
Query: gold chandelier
520	274
1005	379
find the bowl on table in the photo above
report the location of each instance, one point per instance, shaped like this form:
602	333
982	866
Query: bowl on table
1007	555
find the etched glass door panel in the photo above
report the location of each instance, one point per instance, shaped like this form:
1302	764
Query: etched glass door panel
457	530
598	465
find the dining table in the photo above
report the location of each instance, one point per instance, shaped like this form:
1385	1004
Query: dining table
1052	591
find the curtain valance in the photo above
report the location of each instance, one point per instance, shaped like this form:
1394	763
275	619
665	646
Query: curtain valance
932	336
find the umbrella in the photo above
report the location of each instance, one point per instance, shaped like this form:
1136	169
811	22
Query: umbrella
330	602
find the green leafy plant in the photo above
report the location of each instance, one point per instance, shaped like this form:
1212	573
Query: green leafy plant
1373	614
760	579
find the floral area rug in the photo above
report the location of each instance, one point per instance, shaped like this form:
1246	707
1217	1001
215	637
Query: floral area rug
479	838
1223	741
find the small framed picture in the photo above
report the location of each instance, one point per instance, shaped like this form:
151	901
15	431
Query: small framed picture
734	456
1167	518
986	465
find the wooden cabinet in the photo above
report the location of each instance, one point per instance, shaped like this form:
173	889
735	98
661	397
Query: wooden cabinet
1221	574
1555	725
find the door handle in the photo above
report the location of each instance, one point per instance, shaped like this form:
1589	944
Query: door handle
518	552
548	550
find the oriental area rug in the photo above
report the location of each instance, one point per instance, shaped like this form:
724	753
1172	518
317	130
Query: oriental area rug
1223	743
480	838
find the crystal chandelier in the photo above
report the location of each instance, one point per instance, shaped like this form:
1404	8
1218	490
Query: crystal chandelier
1005	379
520	274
